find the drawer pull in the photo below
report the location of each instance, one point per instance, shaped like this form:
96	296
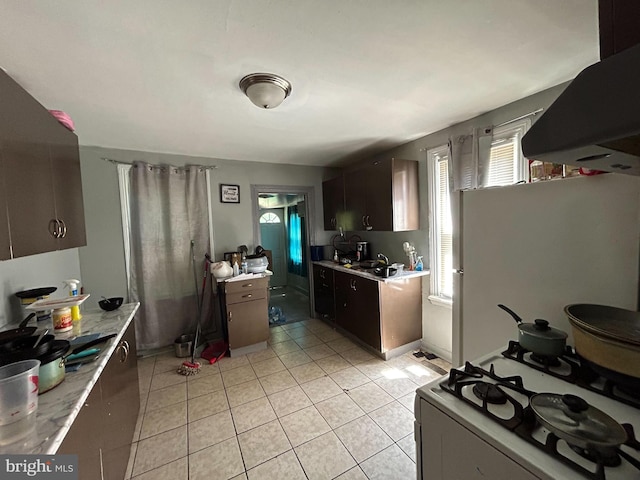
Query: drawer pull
247	285
54	228
123	350
63	232
248	295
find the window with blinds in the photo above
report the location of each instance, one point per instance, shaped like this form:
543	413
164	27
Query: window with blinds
441	245
507	165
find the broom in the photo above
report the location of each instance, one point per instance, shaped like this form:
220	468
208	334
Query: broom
192	367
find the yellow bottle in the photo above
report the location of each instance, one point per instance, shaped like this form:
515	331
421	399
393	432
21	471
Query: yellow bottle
73	292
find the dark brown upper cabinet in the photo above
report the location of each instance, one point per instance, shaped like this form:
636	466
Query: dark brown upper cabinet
618	23
383	196
40	169
333	203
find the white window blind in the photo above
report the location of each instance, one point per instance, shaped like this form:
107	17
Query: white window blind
441	245
502	169
506	162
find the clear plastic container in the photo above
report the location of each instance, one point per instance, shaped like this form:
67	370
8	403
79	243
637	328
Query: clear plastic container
18	390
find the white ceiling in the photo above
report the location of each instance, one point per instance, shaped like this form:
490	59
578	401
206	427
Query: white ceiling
367	75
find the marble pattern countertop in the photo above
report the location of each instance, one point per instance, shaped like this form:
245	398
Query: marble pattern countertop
405	274
58	408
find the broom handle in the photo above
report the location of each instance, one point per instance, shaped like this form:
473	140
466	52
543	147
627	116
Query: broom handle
195	279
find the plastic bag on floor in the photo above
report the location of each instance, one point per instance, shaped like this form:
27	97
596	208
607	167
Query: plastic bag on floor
276	315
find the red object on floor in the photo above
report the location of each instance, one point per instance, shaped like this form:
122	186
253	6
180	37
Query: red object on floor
214	351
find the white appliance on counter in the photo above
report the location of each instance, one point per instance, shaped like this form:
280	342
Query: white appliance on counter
459	439
539	247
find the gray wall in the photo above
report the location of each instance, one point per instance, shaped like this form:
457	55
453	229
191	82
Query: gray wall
43	270
437	320
102	260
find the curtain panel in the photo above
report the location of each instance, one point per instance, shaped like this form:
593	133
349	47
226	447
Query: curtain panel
168	208
469	159
296	262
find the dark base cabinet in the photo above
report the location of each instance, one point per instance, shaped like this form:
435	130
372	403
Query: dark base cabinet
102	433
382	315
324	299
357	307
84	439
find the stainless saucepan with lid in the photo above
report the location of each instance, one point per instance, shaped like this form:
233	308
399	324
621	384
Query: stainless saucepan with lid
573	420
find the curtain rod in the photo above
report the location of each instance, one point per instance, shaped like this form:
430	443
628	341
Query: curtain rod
530	114
121	162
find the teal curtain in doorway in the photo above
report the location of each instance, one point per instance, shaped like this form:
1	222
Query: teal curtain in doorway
296	263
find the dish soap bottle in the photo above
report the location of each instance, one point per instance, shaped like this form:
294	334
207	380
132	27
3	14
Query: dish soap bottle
419	265
73	292
236	269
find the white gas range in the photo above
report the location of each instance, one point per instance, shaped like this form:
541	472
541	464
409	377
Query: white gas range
456	438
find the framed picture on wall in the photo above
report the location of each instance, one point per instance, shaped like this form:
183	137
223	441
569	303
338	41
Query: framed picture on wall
229	193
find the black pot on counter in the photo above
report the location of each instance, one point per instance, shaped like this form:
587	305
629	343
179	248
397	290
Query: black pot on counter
385	271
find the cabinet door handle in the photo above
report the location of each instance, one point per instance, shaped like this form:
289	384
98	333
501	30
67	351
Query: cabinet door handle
54	228
353	285
364	222
246	285
333	222
369	227
123	351
64	229
248	295
230	315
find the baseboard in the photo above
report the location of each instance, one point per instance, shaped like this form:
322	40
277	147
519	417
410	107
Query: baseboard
256	347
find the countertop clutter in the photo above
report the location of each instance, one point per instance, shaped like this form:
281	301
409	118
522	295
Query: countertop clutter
59	407
368	273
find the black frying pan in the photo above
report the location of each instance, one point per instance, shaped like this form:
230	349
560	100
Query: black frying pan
21	331
36	292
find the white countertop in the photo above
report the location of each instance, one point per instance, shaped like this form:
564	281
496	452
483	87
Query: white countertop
244	276
58	408
404	275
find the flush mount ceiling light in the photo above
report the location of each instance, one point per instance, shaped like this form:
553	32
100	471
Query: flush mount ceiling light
265	90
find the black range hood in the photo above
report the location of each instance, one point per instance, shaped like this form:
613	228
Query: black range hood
595	122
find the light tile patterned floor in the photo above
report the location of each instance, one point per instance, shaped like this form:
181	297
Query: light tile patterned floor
312	406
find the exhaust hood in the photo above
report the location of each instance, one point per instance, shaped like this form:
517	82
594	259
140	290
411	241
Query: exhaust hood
595	122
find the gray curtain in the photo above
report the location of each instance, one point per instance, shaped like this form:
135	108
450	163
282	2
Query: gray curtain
168	210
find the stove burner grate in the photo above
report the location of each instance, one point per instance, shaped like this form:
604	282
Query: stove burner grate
472	375
609	458
546	360
579	372
490	393
524	422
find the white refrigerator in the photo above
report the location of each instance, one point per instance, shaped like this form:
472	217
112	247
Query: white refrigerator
539	247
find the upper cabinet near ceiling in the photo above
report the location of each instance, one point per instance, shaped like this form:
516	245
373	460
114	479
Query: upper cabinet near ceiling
5	241
618	25
383	196
40	167
333	203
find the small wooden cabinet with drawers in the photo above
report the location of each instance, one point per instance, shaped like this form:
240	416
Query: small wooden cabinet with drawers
247	318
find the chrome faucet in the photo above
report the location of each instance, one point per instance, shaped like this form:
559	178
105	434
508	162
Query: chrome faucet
383	258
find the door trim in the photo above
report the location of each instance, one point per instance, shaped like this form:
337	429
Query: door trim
310	209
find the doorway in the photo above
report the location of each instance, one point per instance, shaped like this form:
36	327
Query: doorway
283	225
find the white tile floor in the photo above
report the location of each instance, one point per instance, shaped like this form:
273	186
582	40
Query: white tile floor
312	406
